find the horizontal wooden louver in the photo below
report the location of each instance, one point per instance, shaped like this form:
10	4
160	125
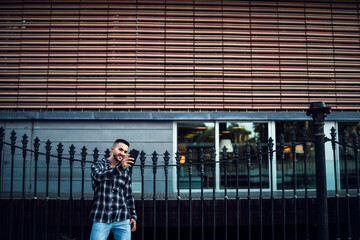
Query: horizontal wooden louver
179	55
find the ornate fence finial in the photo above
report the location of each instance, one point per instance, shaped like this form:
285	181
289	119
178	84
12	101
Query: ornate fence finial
48	150
201	160
166	161
83	157
95	155
36	144
2	135
72	153
24	144
154	161
333	137
247	153
142	162
107	153
60	151
189	158
13	141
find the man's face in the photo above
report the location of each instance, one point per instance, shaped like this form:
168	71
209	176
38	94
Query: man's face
119	151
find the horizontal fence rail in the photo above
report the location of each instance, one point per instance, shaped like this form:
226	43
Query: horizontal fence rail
187	213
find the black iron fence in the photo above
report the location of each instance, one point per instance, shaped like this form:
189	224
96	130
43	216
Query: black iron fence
190	213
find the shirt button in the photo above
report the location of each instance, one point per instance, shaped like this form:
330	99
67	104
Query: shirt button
112	209
112	199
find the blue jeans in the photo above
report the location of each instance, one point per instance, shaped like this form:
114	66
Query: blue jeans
121	230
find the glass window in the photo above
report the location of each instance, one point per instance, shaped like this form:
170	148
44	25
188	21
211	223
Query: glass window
286	128
238	133
194	136
351	128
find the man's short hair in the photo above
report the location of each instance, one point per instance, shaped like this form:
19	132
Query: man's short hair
117	141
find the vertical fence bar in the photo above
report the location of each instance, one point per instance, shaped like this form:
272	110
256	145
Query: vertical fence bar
154	160
333	145
344	142
11	209
190	197
2	135
356	148
201	158
166	168
282	157
178	199
225	162
82	202
60	151
213	166
24	146
142	170
13	140
304	141
318	110
271	156
259	151
48	150
36	158
293	147
236	155
71	164
248	159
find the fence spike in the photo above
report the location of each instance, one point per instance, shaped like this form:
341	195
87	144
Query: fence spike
248	152
142	162
13	141
36	144
333	137
72	153
25	141
95	154
224	150
189	158
166	161
154	160
107	153
60	151
83	156
2	135
201	160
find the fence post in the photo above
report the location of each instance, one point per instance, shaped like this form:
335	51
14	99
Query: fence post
318	111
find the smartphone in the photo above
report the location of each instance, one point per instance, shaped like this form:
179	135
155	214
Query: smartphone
134	154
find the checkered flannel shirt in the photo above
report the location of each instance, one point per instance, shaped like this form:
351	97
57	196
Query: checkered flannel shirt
113	200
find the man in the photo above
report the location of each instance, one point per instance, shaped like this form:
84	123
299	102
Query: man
113	205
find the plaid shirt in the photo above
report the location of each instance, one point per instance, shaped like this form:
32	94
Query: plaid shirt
113	200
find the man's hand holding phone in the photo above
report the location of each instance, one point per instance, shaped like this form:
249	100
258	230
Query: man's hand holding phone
131	159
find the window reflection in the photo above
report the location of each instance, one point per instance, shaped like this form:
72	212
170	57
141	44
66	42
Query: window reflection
286	128
351	128
238	133
194	136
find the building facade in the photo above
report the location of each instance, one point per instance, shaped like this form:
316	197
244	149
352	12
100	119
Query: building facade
172	76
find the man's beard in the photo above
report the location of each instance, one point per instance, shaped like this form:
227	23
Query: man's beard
117	158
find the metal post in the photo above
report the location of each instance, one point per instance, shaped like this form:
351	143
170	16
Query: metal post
318	111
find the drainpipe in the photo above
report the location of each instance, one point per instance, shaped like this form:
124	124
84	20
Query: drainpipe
318	111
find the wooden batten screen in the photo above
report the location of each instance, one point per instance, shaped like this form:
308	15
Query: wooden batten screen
179	55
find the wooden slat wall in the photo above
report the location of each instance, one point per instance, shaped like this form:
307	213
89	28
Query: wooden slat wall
179	55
